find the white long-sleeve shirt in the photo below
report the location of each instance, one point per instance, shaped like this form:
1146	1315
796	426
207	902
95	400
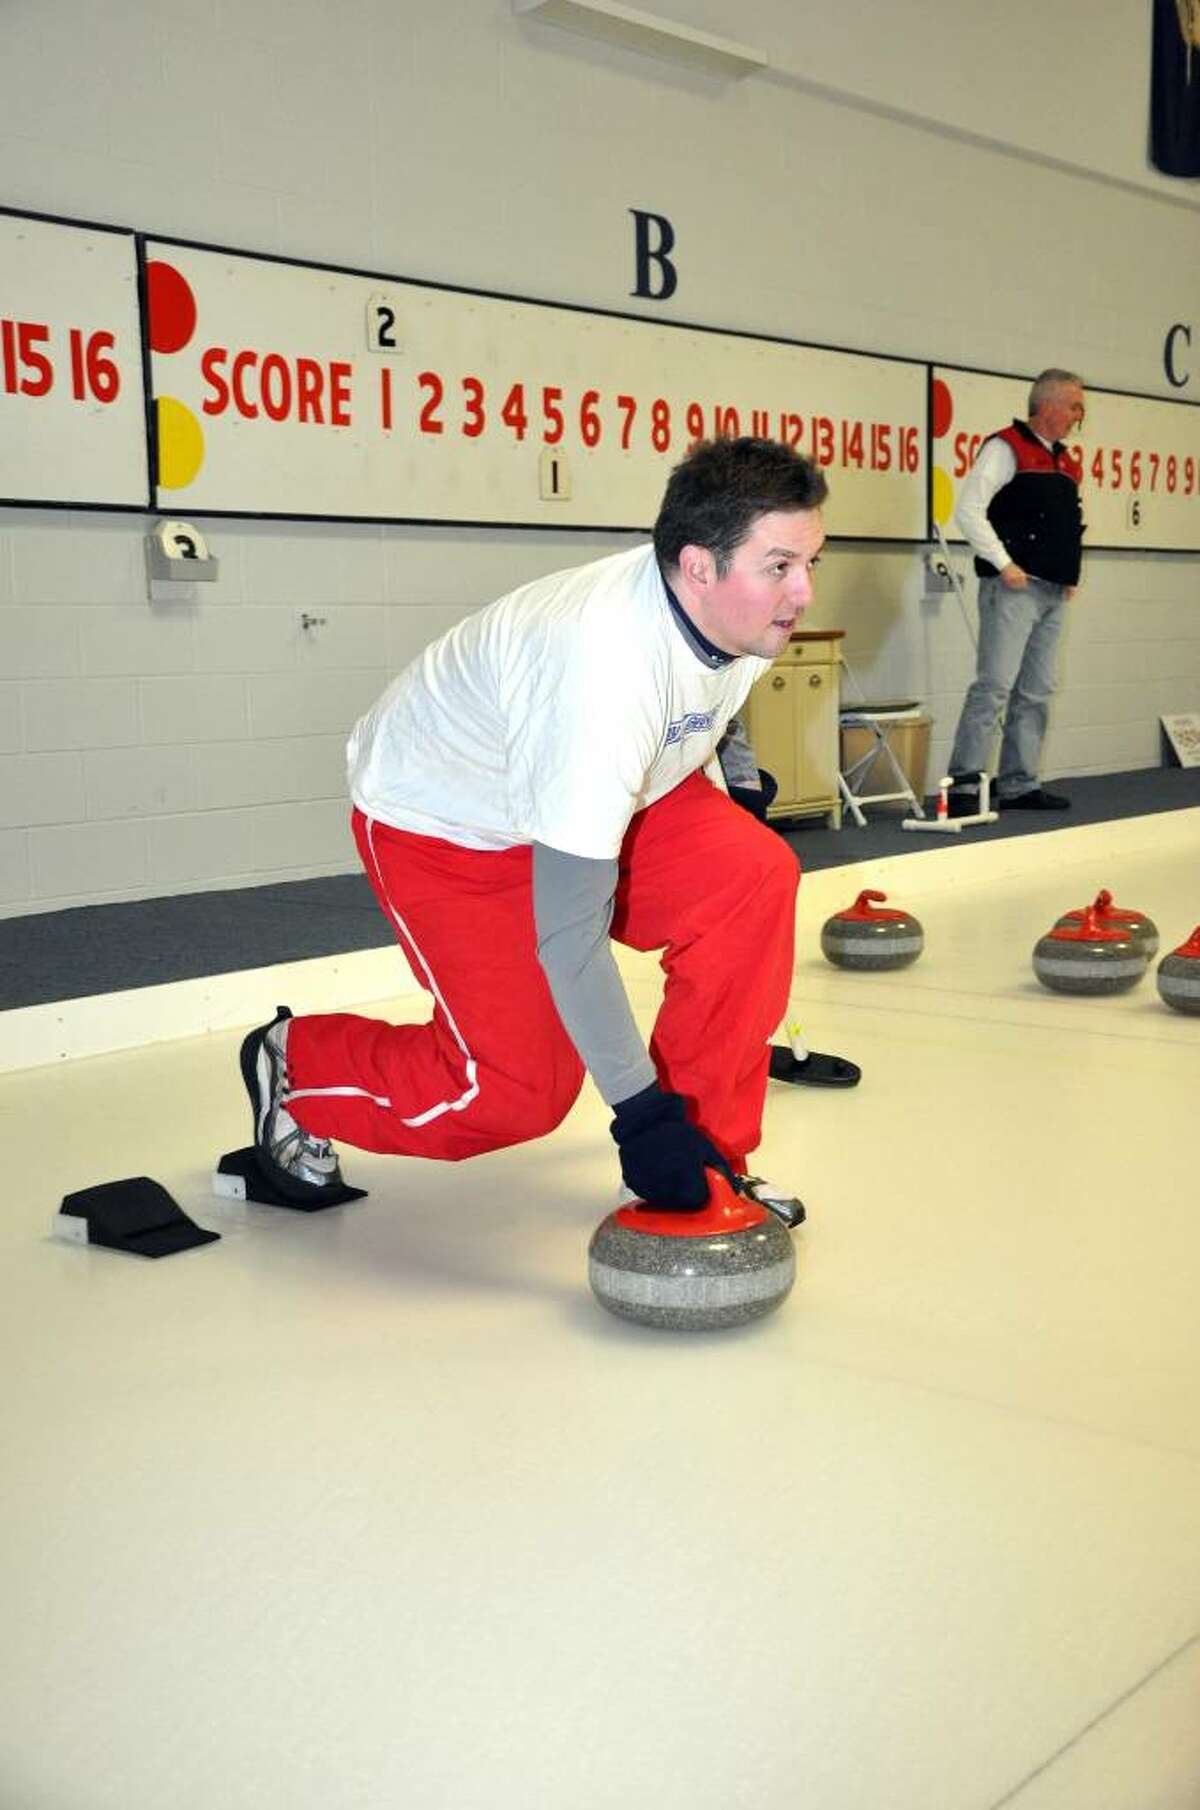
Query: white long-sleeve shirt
994	467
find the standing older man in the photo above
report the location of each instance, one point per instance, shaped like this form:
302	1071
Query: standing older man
1019	510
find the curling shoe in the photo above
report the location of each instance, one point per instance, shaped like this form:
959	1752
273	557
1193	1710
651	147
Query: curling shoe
293	1159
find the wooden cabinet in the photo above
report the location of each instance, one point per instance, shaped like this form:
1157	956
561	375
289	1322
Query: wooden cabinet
791	717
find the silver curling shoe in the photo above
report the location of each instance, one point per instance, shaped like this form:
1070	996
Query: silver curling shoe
299	1164
785	1206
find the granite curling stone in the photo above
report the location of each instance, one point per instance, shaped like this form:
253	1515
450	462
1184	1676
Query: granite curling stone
1088	957
1178	975
1115	917
693	1272
862	937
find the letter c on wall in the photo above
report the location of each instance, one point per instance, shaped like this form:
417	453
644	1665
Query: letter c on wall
1169	354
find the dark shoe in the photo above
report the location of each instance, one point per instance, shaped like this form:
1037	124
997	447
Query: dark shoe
290	1157
962	801
1035	800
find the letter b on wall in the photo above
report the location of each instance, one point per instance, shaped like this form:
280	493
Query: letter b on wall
654	238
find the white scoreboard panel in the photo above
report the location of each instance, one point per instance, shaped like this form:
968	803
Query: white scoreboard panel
72	395
1138	458
304	391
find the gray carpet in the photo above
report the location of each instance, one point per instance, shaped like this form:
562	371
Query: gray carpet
1101	798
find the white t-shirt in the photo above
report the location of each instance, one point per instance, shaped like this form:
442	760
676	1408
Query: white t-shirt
550	716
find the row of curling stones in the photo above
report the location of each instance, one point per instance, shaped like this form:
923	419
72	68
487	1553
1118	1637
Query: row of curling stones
1104	948
867	937
1098	948
696	1272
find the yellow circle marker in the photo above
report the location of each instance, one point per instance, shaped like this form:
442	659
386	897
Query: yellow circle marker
943	496
180	444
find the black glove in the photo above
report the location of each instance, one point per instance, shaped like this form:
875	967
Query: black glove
663	1157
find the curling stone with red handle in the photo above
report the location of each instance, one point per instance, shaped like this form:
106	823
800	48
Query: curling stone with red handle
1178	975
1089	957
863	937
1116	917
729	1263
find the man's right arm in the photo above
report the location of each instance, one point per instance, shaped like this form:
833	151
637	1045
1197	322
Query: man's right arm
572	909
664	1158
994	468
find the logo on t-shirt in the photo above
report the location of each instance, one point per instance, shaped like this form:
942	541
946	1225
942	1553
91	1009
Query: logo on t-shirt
695	723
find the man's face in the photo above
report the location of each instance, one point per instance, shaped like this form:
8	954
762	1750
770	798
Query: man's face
1062	411
755	607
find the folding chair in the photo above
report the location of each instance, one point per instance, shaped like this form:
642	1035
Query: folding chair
879	720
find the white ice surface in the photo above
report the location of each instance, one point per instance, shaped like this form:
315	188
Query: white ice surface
378	1508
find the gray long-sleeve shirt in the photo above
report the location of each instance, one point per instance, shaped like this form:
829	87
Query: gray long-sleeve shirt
573	907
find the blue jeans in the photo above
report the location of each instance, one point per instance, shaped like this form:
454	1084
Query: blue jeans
1014	678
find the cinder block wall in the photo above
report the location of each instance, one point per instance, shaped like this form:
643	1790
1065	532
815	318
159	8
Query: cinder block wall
970	185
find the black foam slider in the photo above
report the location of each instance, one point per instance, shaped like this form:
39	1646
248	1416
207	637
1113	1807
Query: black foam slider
137	1215
239	1176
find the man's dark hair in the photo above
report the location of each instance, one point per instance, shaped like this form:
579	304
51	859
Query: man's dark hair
715	495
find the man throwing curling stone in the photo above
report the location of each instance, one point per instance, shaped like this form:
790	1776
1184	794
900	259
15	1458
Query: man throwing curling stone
530	789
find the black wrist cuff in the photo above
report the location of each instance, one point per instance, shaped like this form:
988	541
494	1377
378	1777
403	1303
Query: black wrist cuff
652	1106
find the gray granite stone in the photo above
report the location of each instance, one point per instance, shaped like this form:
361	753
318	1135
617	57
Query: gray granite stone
1178	979
889	943
689	1282
1086	966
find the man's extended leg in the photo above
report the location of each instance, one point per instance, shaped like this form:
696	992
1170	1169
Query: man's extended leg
716	891
493	1066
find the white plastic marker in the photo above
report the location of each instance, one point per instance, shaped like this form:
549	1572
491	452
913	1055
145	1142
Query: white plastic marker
951	826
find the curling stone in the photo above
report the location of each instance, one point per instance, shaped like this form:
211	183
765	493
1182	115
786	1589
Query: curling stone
693	1272
1178	975
1088	957
862	937
1114	917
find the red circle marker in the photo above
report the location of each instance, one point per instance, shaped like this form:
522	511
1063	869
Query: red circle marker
172	308
943	408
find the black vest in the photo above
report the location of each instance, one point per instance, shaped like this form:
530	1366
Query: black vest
1037	513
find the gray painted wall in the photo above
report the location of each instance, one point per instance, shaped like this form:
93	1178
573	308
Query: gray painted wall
954	181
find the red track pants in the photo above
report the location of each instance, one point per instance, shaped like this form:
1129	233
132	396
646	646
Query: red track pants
700	879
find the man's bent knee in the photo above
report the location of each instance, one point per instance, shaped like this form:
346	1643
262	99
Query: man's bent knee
503	1117
532	1110
774	866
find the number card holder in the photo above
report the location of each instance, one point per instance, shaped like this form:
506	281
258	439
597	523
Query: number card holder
1182	731
554	476
383	318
